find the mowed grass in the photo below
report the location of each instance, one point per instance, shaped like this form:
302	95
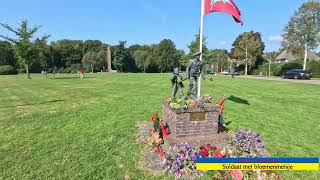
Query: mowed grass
70	128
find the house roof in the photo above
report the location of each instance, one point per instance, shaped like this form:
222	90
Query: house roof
288	55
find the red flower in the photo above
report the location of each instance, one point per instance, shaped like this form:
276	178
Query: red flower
209	146
202	148
218	154
154	117
165	131
204	153
160	152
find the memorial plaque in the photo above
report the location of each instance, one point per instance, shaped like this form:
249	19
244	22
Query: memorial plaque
197	116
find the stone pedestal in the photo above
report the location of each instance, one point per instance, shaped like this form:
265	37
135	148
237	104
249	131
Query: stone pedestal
193	125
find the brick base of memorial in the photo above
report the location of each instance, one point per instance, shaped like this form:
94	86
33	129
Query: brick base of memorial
193	125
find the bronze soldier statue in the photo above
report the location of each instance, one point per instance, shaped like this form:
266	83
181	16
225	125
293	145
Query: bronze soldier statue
194	70
177	84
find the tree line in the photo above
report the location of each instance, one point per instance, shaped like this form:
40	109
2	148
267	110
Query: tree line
26	51
29	52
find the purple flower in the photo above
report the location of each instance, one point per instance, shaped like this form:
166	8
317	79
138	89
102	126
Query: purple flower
249	142
180	160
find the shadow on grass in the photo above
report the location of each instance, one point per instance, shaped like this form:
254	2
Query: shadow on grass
238	100
72	77
29	104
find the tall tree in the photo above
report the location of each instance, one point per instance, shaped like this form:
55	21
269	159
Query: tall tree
303	29
219	57
44	55
183	59
91	46
95	54
166	55
142	60
6	54
248	47
68	51
194	47
120	56
102	58
24	46
90	59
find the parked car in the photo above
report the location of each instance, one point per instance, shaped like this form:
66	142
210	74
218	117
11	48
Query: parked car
235	73
297	74
225	72
211	72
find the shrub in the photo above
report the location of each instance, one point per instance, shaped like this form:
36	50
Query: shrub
74	68
7	70
49	70
279	68
255	72
64	70
241	72
61	70
22	70
315	68
288	66
276	69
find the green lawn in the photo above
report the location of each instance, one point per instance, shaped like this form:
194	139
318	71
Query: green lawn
66	127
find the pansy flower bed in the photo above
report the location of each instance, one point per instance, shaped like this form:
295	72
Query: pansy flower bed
248	144
180	160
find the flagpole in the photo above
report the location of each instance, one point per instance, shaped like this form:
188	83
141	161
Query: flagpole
200	45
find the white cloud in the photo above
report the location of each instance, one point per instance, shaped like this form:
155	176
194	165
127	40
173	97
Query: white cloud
222	43
275	39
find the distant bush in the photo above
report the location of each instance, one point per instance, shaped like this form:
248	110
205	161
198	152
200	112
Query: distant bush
278	68
49	70
7	70
22	70
74	68
64	70
286	67
312	65
255	72
315	68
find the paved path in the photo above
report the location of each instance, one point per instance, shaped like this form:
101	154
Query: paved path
312	81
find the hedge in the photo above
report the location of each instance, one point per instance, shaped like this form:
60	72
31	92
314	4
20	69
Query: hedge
315	69
7	70
278	68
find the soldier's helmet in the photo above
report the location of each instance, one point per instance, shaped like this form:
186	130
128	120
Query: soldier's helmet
197	54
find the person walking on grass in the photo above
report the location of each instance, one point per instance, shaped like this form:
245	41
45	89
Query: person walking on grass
81	73
54	71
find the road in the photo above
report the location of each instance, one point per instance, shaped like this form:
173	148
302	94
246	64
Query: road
312	81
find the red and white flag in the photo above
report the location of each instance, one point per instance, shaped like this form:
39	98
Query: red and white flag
226	6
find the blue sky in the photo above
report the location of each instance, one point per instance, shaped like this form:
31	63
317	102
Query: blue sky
149	21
